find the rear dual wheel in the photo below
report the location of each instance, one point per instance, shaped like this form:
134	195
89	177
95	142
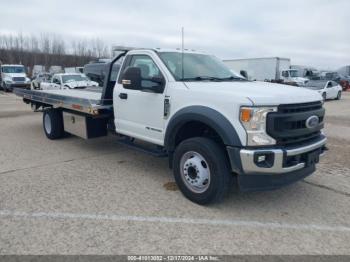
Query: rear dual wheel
202	171
53	124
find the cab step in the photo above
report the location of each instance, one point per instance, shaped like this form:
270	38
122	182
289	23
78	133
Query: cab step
156	151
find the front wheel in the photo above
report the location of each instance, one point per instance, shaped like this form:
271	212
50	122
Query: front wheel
53	124
338	95
202	171
4	87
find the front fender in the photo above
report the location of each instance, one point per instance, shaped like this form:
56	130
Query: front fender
208	116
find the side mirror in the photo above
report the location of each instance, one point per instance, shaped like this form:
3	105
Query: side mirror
132	78
244	74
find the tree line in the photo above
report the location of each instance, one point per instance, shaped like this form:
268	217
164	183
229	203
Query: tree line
49	50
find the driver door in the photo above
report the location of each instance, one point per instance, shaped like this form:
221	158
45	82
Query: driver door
331	90
139	113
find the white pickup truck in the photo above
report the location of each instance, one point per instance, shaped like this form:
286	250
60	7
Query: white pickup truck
219	131
67	81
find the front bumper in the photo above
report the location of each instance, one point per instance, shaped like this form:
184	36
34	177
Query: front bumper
268	168
279	165
17	85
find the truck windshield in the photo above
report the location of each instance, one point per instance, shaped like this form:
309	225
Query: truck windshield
197	67
72	78
12	69
293	73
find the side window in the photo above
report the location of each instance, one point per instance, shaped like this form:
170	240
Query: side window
329	85
56	81
150	72
148	68
285	73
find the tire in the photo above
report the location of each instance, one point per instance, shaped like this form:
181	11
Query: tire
338	96
53	124
324	96
202	182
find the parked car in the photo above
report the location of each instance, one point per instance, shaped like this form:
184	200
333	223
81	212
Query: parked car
13	76
328	89
335	76
68	81
40	78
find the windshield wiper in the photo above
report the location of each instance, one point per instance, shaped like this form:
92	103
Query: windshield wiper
233	78
200	78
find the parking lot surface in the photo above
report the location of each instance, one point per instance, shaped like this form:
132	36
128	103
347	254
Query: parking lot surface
75	196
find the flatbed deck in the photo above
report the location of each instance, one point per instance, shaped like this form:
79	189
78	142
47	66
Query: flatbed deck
83	100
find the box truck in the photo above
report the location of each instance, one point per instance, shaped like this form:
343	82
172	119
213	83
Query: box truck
271	69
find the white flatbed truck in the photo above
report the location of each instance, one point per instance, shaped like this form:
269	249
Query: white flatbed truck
218	130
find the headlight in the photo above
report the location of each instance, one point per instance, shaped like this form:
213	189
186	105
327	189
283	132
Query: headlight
27	79
8	80
253	120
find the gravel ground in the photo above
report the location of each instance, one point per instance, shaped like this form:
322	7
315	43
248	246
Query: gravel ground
73	196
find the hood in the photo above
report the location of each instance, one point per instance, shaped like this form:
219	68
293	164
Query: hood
260	93
76	84
299	79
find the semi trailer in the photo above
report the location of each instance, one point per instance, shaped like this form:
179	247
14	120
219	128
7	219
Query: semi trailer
218	130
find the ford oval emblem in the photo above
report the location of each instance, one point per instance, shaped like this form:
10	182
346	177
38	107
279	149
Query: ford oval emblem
312	121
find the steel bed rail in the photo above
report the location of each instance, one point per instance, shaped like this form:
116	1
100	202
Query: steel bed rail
84	105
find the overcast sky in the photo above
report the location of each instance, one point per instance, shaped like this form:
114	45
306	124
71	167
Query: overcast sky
310	32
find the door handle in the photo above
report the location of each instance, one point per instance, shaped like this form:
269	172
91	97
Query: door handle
123	96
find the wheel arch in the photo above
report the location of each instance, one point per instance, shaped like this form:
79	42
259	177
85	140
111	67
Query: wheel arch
206	116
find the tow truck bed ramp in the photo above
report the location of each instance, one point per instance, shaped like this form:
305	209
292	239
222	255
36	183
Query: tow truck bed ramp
87	101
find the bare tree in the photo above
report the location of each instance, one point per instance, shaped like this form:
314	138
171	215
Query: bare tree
49	49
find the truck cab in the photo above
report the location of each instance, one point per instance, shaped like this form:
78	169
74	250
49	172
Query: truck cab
194	106
292	76
13	76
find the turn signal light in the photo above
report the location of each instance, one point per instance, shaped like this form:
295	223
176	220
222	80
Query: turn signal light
246	114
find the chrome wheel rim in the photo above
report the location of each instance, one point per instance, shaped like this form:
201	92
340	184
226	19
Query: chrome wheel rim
47	123
195	172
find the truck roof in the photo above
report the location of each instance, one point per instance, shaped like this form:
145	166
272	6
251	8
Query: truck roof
178	50
158	49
